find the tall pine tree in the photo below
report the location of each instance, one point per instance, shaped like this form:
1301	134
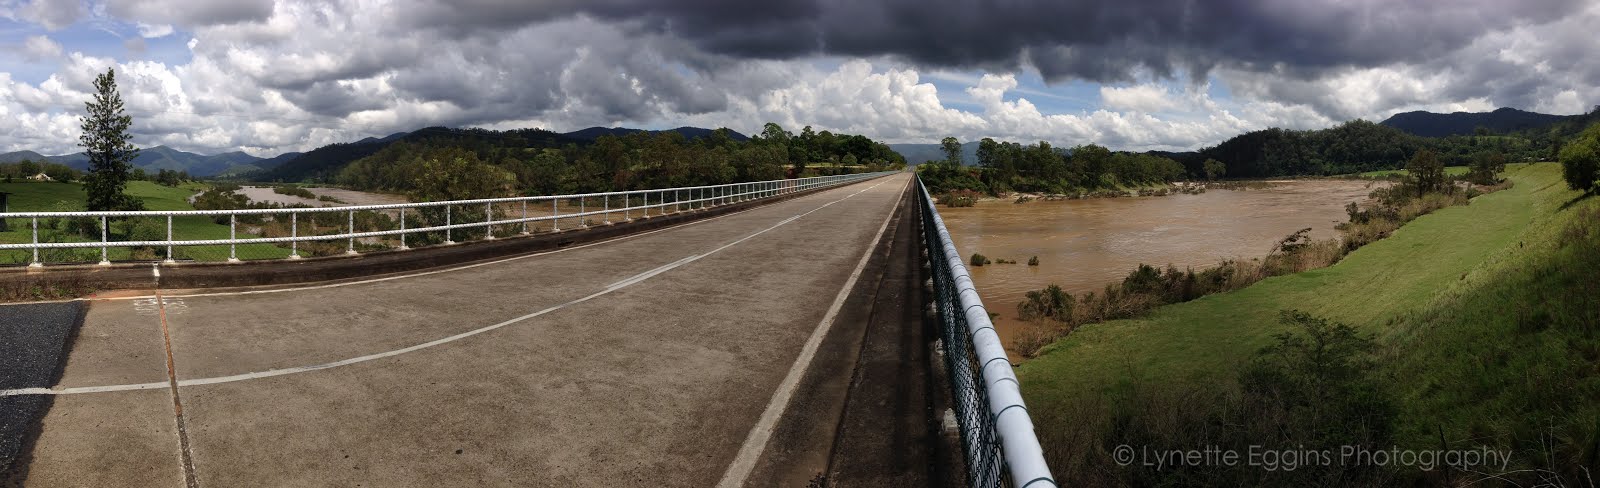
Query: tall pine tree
106	140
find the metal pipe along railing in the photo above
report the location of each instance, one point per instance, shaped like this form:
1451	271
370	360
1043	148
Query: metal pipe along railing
996	430
634	203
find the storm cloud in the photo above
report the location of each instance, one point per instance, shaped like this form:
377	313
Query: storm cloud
268	76
1084	39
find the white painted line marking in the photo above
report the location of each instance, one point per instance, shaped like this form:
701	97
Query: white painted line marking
756	441
361	359
642	276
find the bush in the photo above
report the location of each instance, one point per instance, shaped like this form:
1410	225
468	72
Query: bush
1318	375
144	229
1580	160
959	198
979	259
1049	303
1033	261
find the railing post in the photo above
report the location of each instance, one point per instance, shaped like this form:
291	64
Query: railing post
233	234
448	239
352	231
294	234
35	263
555	214
627	207
524	217
583	220
105	257
403	245
169	259
488	218
606	201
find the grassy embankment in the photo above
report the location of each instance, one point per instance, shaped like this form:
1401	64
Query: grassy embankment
53	196
1485	321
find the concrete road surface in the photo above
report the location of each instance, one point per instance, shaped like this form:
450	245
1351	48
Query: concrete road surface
643	361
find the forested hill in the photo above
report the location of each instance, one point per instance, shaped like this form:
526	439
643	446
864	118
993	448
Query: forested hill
474	163
1360	145
323	164
1501	121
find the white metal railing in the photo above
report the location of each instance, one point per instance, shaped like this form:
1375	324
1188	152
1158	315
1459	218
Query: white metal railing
665	201
996	431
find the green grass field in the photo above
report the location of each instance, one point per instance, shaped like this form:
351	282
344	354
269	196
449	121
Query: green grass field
1461	302
54	196
1448	171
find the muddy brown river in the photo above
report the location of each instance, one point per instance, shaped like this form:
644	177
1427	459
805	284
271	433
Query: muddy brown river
1083	245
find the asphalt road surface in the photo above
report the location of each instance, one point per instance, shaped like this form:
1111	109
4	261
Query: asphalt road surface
665	358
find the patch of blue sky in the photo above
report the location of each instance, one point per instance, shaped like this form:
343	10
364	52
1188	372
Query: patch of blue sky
94	37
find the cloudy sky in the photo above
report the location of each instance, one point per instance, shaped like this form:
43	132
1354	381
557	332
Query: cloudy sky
268	76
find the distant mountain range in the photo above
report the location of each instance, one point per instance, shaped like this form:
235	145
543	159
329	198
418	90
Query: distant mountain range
321	162
593	133
1429	124
324	162
153	159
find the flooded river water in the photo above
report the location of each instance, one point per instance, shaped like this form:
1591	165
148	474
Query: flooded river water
1083	245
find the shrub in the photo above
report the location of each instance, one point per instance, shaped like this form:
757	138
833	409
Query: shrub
960	198
1049	303
1318	375
1580	160
1033	261
144	229
979	259
1144	279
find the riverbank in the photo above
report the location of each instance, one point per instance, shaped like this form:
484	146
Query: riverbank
1472	309
1084	245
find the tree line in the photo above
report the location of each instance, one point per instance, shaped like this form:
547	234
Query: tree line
1003	167
27	168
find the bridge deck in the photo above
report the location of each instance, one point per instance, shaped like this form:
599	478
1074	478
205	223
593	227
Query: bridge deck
645	360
